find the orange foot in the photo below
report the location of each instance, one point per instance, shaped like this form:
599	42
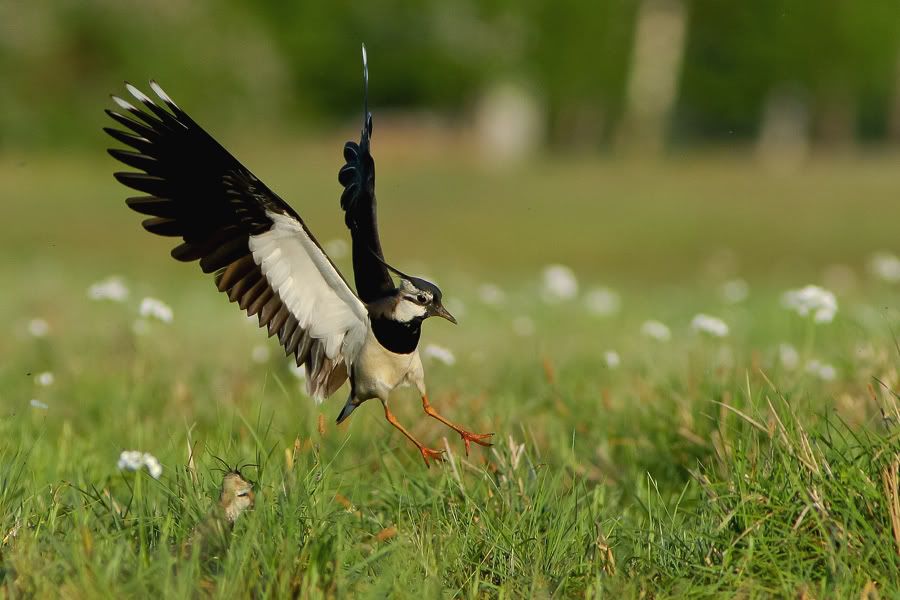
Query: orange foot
436	455
478	438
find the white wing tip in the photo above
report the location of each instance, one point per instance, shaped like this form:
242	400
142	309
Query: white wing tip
123	103
161	93
137	93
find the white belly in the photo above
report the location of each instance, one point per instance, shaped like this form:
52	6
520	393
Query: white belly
377	371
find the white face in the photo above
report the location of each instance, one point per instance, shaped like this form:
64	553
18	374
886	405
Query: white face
408	310
412	303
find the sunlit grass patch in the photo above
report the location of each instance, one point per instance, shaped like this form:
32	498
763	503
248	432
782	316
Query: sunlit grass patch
653	437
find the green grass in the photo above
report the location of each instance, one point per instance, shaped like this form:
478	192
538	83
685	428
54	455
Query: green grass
699	467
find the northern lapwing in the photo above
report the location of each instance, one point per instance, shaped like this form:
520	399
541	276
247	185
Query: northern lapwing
264	257
212	534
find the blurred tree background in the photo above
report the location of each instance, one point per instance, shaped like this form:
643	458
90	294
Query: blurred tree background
826	70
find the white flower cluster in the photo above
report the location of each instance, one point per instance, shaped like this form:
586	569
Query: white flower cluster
44	379
710	325
734	291
823	371
812	300
156	309
38	328
456	306
612	358
260	354
134	460
602	301
559	283
441	354
491	293
885	266
656	330
788	356
111	288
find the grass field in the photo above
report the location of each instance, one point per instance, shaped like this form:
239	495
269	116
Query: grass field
698	466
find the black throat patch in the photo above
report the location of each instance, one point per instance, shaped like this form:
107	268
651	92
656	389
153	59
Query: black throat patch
399	338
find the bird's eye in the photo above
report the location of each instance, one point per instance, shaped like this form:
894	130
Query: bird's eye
422	298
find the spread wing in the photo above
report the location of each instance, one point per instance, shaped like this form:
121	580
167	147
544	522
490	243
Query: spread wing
261	252
372	278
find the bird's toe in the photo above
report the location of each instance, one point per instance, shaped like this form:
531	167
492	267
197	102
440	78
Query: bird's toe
436	455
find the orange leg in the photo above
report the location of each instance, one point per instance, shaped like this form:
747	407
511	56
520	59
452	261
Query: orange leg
478	438
437	455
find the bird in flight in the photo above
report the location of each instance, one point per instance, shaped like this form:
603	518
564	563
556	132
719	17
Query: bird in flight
266	260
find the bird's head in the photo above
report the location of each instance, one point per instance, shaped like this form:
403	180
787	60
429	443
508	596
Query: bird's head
236	496
419	299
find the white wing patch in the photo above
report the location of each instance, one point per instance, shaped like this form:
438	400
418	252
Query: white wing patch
310	287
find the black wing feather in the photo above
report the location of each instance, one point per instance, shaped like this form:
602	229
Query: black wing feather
198	191
373	280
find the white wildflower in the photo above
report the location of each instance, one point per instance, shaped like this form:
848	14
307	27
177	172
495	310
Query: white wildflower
111	288
156	309
812	300
656	330
336	248
260	353
153	466
491	294
827	372
602	301
559	283
44	379
38	404
885	266
823	371
439	353
612	359
711	325
38	328
134	460
788	356
523	326
734	291
131	460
